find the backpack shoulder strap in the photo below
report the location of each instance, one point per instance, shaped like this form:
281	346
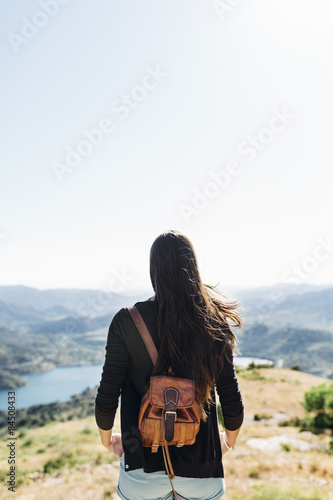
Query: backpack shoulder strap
144	332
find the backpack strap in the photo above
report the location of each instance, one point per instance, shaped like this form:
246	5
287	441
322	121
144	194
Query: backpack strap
153	353
146	337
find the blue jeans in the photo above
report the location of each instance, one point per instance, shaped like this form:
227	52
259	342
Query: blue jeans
139	485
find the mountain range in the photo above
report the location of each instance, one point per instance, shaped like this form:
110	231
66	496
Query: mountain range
40	329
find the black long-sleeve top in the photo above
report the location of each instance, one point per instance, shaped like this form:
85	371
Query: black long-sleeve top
127	369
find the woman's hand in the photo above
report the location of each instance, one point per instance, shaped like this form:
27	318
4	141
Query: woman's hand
116	445
111	442
230	438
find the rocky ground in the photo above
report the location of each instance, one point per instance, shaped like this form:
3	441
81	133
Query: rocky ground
266	455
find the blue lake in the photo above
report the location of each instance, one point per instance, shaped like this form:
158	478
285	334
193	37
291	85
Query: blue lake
63	382
58	384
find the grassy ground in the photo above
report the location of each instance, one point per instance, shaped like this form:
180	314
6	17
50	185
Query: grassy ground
66	460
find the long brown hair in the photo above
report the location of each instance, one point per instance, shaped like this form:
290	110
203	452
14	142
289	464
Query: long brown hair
195	337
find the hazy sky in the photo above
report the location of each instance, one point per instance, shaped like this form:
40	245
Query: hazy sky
121	120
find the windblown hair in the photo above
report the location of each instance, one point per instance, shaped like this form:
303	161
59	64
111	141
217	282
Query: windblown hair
195	337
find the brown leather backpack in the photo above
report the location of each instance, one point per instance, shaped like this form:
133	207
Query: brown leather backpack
169	413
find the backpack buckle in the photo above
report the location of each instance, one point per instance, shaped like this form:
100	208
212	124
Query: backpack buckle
170	411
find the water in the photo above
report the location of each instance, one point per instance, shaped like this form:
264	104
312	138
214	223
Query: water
63	382
58	384
244	361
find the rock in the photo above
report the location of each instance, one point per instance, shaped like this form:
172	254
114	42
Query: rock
273	443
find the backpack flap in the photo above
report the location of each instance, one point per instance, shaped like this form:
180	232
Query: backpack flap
183	394
170	394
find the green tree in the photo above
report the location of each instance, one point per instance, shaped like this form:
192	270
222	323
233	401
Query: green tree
319	402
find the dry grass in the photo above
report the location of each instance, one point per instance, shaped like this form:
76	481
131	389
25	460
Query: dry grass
262	396
85	483
249	473
58	438
245	467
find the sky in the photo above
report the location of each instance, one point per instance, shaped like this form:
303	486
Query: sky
122	120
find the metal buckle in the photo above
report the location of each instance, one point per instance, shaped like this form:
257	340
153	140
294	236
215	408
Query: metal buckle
170	411
154	447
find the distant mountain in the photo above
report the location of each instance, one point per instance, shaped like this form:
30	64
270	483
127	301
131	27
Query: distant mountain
312	350
284	305
40	329
11	315
312	309
15	315
75	300
57	311
25	352
71	325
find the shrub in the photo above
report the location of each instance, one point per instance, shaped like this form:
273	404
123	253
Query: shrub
319	402
53	465
293	422
253	374
28	442
253	365
87	430
258	417
66	459
319	397
254	473
285	446
296	367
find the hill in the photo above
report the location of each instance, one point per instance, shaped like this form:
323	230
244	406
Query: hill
306	306
312	350
22	353
70	299
269	461
40	329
